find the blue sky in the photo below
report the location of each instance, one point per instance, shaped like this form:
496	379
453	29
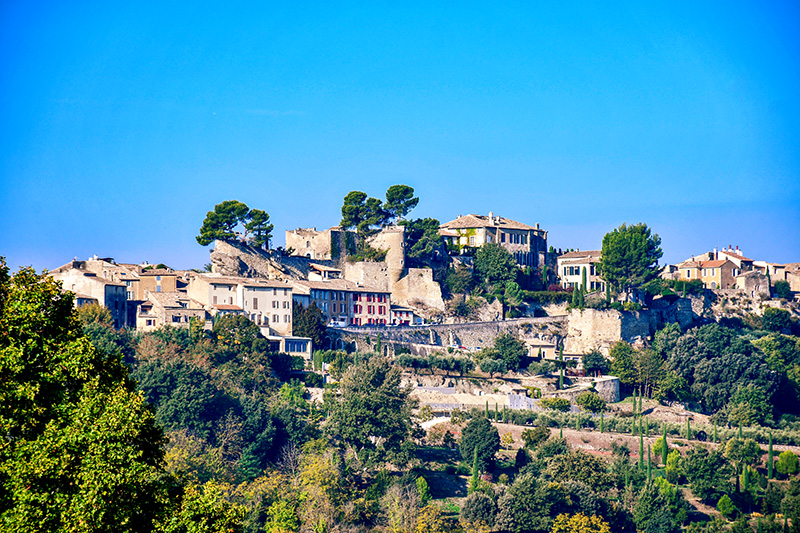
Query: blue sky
123	123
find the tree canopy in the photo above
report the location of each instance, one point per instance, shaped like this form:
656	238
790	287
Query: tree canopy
480	434
366	214
494	265
231	220
629	256
373	412
81	450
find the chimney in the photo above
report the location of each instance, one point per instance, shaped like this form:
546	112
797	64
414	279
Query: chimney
715	254
491	217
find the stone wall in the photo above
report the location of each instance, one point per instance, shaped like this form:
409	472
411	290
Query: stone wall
418	287
471	335
592	329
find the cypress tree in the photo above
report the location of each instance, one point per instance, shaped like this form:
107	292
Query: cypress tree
608	293
664	447
581	301
505	419
633	426
649	462
646	427
575	295
496	412
560	432
641	432
745	478
641	451
601	422
544	277
561	368
740	431
378	345
583	280
578	422
715	432
683	294
473	481
769	458
487	409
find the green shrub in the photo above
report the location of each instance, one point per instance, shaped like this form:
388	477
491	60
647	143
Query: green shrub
556	404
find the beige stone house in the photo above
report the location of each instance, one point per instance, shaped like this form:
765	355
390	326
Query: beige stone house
76	278
716	274
570	267
528	244
329	244
268	303
168	309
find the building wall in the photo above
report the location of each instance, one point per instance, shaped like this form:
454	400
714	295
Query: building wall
112	296
271	306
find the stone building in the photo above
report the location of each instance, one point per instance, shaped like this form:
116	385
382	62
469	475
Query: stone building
717	274
268	303
168	309
331	244
570	267
76	278
528	244
344	303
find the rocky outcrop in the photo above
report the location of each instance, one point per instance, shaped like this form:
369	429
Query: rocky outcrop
231	258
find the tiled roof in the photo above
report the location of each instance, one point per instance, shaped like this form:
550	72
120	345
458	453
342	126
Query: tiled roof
173	299
580	255
337	285
481	221
735	255
324	268
247	282
226	307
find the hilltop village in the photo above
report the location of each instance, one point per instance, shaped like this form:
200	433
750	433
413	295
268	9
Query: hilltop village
405	375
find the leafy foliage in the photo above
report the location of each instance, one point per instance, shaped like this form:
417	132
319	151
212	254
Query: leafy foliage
494	265
74	429
373	412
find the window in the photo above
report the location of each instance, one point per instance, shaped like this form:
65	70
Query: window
334	307
158	289
382	310
274	292
255	303
176	318
286	305
285	292
214	300
158	278
502	237
275	304
150	322
287	318
275	319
